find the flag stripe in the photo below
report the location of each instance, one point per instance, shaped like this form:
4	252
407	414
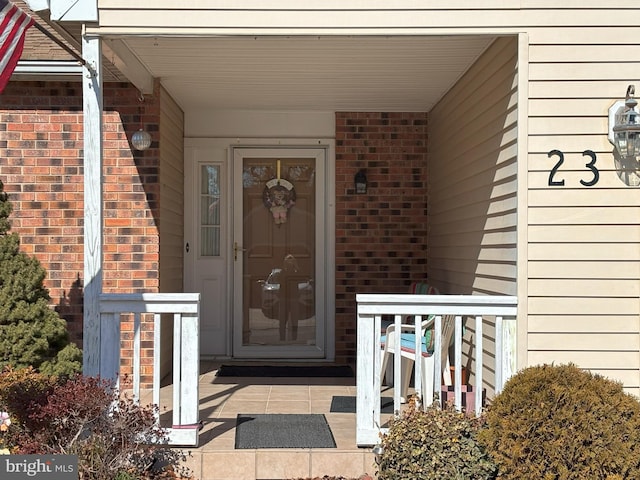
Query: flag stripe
13	26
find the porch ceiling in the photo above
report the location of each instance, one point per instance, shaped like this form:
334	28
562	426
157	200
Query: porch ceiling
358	73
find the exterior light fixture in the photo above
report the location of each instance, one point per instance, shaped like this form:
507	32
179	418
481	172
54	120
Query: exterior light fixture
378	451
360	181
624	126
141	140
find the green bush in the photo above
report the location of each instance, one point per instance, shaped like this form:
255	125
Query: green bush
31	332
562	423
434	444
113	437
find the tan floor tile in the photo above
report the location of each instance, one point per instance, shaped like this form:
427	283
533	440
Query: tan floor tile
212	401
233	465
320	406
345	438
251	391
209	412
194	462
219	437
341	420
226	443
233	407
329	390
290	406
348	464
287	392
220	388
282	464
370	465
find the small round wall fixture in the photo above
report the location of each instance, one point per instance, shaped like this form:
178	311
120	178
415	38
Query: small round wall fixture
141	140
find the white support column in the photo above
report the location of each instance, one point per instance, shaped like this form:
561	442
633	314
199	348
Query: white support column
92	108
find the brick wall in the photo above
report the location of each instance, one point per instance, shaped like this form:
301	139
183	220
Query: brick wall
381	235
41	166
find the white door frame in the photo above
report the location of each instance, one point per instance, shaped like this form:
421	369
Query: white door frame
299	352
327	230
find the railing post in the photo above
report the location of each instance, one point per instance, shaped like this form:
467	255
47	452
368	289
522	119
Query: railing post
190	370
437	359
157	337
417	364
397	366
137	338
109	360
368	367
457	335
479	364
499	355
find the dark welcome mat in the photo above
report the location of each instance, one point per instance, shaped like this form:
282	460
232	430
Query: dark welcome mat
346	404
283	431
285	371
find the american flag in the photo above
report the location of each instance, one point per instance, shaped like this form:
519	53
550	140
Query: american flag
13	25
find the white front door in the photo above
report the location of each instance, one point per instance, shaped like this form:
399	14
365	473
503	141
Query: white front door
278	245
259	265
207	201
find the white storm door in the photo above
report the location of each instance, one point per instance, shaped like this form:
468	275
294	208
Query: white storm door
278	253
206	244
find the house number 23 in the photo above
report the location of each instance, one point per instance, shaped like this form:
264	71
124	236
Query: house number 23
590	166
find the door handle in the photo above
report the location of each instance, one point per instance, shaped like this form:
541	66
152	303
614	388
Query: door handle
236	249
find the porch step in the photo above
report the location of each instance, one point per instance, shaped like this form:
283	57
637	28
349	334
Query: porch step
280	464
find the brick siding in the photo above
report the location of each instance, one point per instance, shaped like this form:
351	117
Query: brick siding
381	236
41	166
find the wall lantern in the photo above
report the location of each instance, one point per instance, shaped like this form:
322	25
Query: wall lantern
624	126
360	181
141	140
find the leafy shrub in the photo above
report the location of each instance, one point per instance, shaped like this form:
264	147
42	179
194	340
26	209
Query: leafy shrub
22	391
434	444
31	333
112	436
562	423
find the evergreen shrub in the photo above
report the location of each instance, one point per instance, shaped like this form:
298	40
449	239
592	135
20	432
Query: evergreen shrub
434	444
563	423
31	332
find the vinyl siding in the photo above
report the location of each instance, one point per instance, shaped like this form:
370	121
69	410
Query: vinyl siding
583	242
472	179
355	16
473	184
171	211
171	194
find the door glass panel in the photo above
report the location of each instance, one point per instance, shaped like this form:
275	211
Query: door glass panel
278	198
210	210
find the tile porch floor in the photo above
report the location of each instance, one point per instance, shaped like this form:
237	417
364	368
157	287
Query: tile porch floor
222	398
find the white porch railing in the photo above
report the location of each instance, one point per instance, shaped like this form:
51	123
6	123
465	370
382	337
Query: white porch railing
492	312
185	308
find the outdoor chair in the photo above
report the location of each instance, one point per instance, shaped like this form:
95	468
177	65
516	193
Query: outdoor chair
407	352
407	342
